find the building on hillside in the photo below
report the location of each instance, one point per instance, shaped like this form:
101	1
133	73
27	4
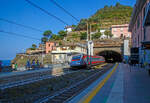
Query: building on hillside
64	53
50	46
103	33
140	28
120	31
69	28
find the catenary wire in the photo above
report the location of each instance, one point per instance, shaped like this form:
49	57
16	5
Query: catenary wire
55	3
46	12
25	26
19	35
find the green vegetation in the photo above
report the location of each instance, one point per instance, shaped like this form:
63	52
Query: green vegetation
107	16
83	36
47	34
96	35
62	34
75	36
103	18
21	60
44	40
34	46
108	33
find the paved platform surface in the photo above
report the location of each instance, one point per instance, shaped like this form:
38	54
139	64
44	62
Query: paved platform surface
122	84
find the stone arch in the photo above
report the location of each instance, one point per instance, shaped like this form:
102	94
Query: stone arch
111	56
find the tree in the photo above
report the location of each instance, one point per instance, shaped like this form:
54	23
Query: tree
74	36
96	35
108	33
55	37
62	34
82	25
74	27
34	46
106	7
44	40
47	34
83	36
111	35
95	27
118	5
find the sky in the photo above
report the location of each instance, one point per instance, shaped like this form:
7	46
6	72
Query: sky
23	13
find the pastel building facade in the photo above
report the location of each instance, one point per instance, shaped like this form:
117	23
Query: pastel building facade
120	31
140	32
140	28
64	53
50	46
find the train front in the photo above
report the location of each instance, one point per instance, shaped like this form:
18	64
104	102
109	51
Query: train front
76	61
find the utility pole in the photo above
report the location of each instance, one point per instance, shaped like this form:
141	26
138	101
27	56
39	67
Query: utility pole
90	44
42	53
87	46
87	32
90	33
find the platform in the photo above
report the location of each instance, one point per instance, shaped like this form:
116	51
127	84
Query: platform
121	84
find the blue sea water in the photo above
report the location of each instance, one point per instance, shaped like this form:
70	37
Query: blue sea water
6	62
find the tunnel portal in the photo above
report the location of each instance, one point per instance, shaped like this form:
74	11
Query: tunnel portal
111	56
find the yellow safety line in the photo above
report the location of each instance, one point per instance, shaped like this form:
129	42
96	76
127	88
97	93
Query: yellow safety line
90	95
99	66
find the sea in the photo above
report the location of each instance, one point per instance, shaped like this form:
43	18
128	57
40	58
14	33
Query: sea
6	62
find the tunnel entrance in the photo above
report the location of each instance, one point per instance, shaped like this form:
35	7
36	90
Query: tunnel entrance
111	56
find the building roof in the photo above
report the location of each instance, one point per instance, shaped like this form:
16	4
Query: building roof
137	9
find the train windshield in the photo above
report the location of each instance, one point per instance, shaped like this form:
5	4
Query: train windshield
76	58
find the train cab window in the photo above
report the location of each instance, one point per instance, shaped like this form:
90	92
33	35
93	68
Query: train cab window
76	58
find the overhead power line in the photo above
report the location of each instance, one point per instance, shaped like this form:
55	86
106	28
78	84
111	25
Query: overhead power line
19	35
12	22
55	3
46	12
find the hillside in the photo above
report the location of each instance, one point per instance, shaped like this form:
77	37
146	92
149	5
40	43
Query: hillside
107	16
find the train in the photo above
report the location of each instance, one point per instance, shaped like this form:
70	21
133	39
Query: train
81	61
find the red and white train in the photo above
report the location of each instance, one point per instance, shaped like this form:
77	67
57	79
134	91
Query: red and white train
82	60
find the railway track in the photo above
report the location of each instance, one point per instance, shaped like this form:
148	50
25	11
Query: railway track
66	94
31	79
